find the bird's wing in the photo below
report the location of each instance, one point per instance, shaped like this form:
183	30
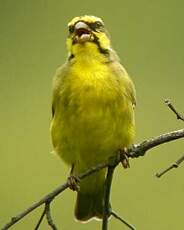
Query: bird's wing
125	82
60	75
131	93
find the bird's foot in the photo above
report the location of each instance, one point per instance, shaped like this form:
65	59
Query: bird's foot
124	158
73	183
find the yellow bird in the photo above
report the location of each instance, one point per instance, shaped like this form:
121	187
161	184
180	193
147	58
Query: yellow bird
93	109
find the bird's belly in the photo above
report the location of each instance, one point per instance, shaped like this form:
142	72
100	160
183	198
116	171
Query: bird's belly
92	129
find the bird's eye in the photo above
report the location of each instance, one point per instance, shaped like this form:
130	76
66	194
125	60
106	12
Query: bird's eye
71	29
96	25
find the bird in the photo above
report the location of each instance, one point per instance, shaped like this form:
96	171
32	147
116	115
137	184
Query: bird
93	104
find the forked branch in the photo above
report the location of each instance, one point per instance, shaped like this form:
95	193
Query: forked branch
136	151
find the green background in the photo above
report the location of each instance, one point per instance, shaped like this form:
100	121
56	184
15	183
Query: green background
148	36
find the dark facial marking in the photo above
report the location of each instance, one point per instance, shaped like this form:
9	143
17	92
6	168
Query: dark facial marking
71	57
71	29
103	51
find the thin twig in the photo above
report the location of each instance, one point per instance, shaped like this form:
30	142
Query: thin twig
172	166
40	220
37	204
50	196
134	152
108	181
122	220
49	217
170	105
141	149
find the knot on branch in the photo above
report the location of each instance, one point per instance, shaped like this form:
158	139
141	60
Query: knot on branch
137	150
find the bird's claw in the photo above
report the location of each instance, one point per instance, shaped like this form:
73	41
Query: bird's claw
124	158
73	183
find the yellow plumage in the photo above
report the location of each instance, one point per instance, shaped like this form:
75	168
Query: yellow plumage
93	109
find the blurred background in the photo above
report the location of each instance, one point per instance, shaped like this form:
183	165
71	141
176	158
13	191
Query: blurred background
148	36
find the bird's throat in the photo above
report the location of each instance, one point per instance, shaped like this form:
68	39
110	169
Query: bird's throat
88	52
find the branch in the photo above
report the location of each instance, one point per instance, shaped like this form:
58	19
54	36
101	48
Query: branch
108	181
48	216
107	211
170	105
136	151
172	166
180	160
40	220
50	196
122	220
141	149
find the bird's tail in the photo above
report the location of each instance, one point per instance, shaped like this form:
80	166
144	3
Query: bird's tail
90	198
89	206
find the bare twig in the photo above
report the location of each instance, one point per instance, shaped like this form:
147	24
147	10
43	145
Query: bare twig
108	181
35	205
107	212
170	105
48	216
46	212
40	220
122	220
134	152
50	196
140	149
172	166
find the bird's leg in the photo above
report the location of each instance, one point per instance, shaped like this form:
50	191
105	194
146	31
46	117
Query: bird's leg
124	158
73	181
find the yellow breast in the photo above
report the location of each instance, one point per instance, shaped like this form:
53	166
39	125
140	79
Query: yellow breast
94	118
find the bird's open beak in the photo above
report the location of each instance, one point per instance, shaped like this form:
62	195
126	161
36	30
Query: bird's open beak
82	33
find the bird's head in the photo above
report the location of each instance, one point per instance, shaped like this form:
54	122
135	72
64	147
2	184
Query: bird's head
87	33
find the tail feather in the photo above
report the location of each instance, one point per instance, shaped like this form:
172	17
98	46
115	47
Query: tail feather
89	206
90	198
